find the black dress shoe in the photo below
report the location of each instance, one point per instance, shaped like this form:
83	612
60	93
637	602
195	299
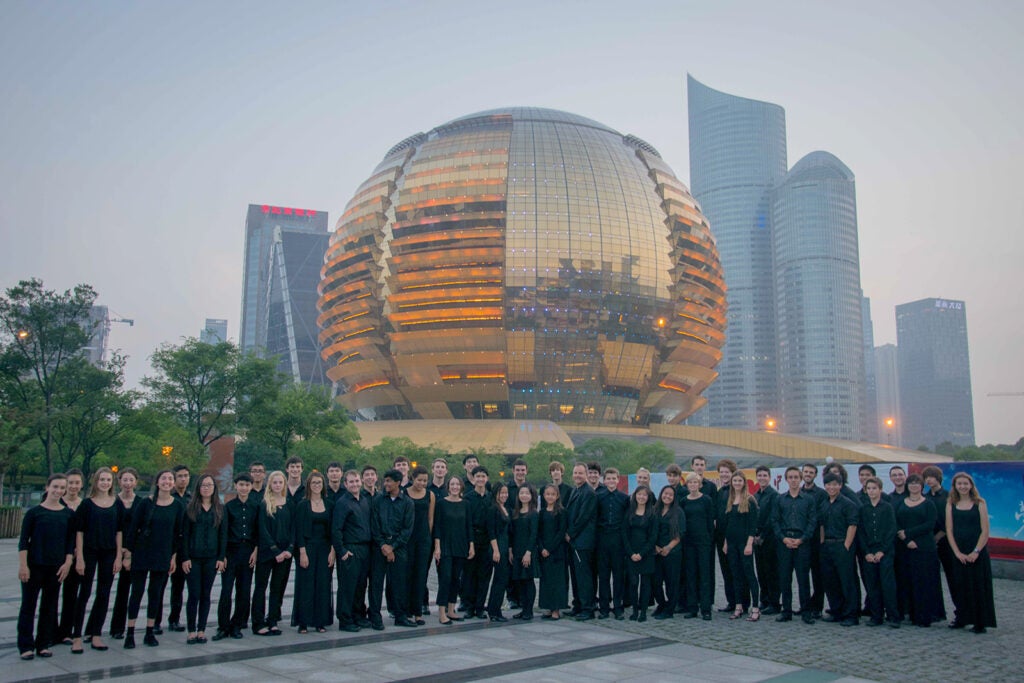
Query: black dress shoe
236	634
662	616
785	616
517	615
405	621
727	608
157	631
852	621
979	629
603	615
377	624
498	618
44	653
706	616
642	616
829	619
175	627
688	615
193	641
350	628
99	648
807	618
482	614
893	623
769	611
219	635
619	616
363	623
585	616
527	617
117	636
873	622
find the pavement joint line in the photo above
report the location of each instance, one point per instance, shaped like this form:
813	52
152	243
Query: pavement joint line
805	676
542	661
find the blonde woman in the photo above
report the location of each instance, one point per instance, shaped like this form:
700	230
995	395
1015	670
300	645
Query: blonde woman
97	553
740	528
967	528
274	561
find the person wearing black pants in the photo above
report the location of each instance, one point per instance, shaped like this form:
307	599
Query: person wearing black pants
97	549
478	568
611	570
739	526
45	552
639	533
817	600
795	523
202	554
182	478
127	478
154	543
726	468
391	523
240	515
523	537
671	527
581	535
351	535
876	535
274	559
838	518
421	543
497	536
72	584
766	545
453	531
699	513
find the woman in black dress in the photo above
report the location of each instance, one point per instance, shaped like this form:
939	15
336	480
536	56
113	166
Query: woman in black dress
497	534
274	560
316	558
740	528
915	529
523	544
127	478
668	552
420	541
967	528
72	584
97	547
551	525
204	548
639	532
453	545
153	543
45	554
699	510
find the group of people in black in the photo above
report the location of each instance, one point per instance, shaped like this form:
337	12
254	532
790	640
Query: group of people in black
490	542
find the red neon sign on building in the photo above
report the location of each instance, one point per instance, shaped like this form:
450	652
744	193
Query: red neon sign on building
287	211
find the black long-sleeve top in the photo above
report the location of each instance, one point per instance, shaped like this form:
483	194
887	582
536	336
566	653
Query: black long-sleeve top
876	531
155	534
707	487
700	520
306	531
639	534
202	540
796	516
522	538
850	495
836	516
767	498
243	525
739	526
479	505
940	499
670	525
918	524
551	533
125	514
582	512
98	525
48	536
391	520
350	524
277	531
497	528
611	511
814	491
862	497
453	527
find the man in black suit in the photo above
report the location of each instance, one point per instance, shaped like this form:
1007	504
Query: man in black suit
581	536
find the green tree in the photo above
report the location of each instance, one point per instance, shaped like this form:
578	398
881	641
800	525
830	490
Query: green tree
541	455
141	442
208	388
13	436
298	413
42	332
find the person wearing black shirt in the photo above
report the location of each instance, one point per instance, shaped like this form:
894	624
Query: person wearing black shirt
670	526
498	520
611	511
421	543
203	548
127	478
639	534
72	584
726	468
519	472
898	477
580	534
313	520
296	489
795	523
181	492
939	497
351	536
240	516
98	546
523	535
153	545
838	518
453	544
258	472
739	526
698	542
551	525
921	584
967	527
335	488
391	524
478	568
876	535
766	546
45	553
274	560
809	471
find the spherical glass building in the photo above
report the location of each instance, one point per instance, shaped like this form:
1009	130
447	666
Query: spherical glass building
522	263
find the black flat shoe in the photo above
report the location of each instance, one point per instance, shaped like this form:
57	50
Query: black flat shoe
117	636
454	618
499	619
78	652
99	648
192	641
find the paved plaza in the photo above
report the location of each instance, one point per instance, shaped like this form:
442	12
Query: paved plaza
538	651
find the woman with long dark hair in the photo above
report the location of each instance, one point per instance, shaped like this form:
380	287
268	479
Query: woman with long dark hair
523	548
740	528
202	556
45	553
967	528
453	545
668	561
551	525
153	543
127	479
274	560
420	541
69	592
915	529
639	533
316	557
498	521
98	545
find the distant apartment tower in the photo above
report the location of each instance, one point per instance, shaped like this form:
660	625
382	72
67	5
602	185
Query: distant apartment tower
265	226
935	373
818	300
737	155
215	331
887	395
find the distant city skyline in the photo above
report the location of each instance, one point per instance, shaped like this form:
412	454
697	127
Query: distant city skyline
134	132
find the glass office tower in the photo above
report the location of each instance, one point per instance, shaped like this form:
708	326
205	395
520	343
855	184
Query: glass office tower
737	155
818	301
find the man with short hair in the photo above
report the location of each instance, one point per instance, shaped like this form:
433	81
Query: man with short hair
391	522
898	477
876	535
557	471
865	472
699	465
611	517
939	497
439	478
594	475
477	575
581	535
766	551
674	474
296	490
369	479
795	522
241	518
809	472
258	472
402	464
351	535
643	477
838	518
519	471
335	487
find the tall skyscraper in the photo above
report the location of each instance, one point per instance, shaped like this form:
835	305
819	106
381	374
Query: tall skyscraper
260	222
818	300
935	373
737	155
870	430
887	393
215	331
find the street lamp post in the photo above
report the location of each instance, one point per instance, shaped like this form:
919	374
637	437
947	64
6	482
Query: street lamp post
889	424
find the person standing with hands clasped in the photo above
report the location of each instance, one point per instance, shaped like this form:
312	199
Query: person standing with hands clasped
202	554
967	529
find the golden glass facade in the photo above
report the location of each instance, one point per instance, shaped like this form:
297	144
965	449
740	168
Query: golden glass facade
522	263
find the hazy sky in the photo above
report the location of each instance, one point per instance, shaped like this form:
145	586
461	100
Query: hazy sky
134	135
